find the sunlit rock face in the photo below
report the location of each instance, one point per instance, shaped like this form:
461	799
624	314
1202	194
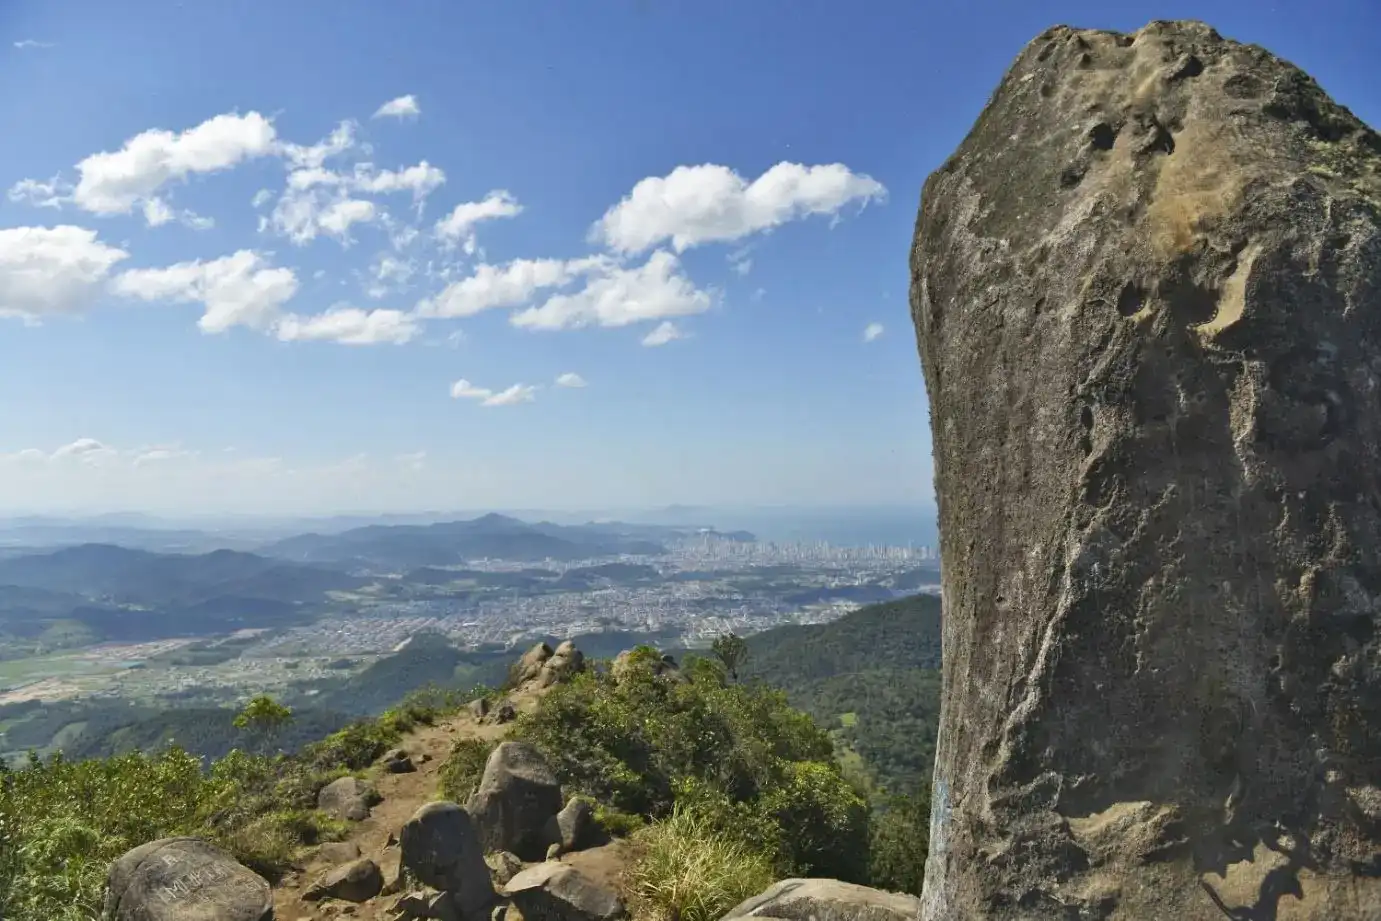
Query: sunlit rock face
1147	296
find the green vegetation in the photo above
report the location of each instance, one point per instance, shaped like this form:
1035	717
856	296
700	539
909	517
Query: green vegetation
62	821
263	717
744	762
460	775
873	676
731	650
685	869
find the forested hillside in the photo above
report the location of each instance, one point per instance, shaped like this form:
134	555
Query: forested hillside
872	677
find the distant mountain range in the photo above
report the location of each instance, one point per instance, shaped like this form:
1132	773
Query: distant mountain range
490	537
99	592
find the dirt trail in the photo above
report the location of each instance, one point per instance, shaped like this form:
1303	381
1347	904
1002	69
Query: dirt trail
403	795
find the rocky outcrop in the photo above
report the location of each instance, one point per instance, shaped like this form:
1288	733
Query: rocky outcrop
555	892
177	879
517	794
440	848
357	881
826	900
1147	294
541	666
663	667
347	798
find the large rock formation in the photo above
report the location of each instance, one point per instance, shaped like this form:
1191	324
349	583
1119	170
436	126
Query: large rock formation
1147	293
517	795
825	900
184	879
441	849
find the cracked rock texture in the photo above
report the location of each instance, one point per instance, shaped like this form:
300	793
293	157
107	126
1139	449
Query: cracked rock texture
1147	294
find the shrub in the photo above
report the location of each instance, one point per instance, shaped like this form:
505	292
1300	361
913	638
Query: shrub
900	843
643	743
460	775
684	869
617	824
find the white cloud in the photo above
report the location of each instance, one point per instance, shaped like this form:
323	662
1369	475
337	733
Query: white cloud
26	43
872	331
303	216
349	326
509	285
390	273
47	270
85	450
415	460
237	290
458	227
158	455
261	198
336	143
401	107
113	182
50	194
156	212
570	379
619	296
518	393
709	203
665	332
421	180
464	390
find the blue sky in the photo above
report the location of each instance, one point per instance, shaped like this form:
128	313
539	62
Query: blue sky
305	257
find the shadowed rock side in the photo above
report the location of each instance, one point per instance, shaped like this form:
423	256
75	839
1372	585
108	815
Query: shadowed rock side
1147	294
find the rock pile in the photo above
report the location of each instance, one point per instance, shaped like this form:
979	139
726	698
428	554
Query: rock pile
1147	294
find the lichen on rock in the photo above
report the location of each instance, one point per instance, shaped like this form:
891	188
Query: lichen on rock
1147	297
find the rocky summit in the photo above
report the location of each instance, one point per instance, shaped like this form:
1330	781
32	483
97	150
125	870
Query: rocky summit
1147	295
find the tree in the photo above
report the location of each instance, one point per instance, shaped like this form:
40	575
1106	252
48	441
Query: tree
732	650
263	717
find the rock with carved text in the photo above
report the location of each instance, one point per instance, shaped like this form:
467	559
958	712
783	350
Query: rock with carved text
1147	296
184	879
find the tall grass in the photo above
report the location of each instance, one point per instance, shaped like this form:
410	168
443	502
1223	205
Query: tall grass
686	870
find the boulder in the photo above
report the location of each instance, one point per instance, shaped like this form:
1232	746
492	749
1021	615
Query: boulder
479	708
441	849
337	852
556	892
357	881
426	905
398	761
503	712
574	827
517	794
530	665
1147	295
503	866
348	798
826	900
177	879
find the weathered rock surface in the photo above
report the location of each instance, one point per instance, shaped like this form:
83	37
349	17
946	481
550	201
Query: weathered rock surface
357	881
397	761
1147	295
348	798
439	846
503	866
574	827
555	892
826	900
337	852
184	879
517	794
